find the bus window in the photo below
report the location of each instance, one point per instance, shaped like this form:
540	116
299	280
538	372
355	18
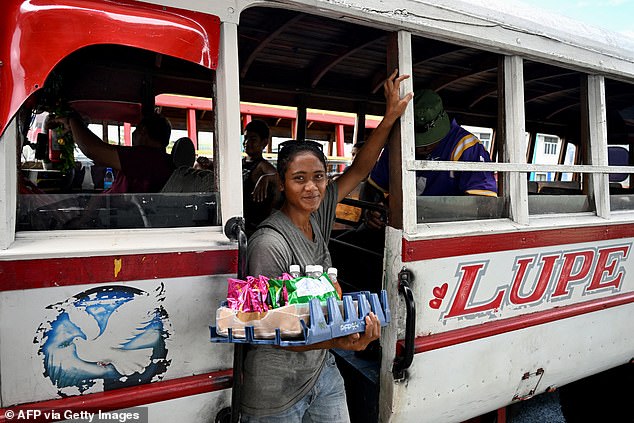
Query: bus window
620	133
554	121
112	87
465	81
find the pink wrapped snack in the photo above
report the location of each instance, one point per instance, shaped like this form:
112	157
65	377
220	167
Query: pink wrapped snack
249	295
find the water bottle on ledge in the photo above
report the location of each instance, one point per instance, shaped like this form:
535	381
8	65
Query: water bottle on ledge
108	178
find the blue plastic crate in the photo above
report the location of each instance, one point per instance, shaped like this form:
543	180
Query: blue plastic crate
322	328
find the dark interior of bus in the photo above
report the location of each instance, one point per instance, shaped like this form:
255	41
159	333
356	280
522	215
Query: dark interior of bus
296	59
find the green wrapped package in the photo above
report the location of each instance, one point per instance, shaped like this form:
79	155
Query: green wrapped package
300	290
303	289
277	293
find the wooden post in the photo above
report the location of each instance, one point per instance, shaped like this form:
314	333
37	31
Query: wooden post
301	120
598	143
513	142
401	141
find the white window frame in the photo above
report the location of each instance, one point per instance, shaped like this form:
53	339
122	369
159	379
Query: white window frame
514	166
44	244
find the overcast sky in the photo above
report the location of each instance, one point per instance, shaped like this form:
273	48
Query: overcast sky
616	15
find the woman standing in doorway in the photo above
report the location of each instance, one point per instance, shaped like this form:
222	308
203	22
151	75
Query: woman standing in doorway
302	384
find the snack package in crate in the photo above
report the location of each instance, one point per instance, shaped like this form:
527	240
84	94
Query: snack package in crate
269	304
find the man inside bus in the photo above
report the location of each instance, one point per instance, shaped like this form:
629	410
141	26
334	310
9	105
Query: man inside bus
260	182
143	167
436	138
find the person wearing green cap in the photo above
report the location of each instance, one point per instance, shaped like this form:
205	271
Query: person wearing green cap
437	138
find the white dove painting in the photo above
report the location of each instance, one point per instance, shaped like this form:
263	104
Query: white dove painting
112	335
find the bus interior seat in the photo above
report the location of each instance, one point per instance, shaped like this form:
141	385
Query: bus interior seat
183	152
554	187
618	156
188	179
532	187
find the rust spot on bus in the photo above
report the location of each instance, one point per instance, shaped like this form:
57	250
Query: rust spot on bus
117	267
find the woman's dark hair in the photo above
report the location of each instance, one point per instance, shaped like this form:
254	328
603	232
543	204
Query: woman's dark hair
289	149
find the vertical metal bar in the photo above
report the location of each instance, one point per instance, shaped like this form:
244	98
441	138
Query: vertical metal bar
239	350
192	131
339	138
234	230
301	120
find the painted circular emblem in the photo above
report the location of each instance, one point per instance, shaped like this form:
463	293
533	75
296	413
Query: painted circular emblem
105	338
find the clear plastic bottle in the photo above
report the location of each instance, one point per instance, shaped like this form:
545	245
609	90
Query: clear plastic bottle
310	270
294	271
332	274
108	178
318	270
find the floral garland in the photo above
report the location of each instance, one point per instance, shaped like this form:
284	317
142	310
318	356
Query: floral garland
66	145
51	100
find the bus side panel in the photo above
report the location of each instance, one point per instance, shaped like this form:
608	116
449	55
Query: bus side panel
201	408
82	339
465	380
469	290
506	323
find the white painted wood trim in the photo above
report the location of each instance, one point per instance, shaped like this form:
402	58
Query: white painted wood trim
514	167
598	143
94	242
407	132
8	184
515	148
507	28
228	123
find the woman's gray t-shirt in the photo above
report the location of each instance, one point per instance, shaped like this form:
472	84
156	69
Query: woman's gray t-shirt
275	378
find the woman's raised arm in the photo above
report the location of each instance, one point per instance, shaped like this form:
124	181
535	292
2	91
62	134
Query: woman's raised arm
366	158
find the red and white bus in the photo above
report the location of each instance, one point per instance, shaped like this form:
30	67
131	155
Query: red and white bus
106	299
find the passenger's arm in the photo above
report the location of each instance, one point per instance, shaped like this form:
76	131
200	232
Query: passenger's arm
267	184
368	155
90	144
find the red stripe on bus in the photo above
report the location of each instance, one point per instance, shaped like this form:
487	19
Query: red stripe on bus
465	245
132	397
485	330
44	273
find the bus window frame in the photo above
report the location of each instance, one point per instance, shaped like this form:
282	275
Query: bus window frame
122	241
514	166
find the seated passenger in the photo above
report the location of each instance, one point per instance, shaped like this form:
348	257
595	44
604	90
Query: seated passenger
260	182
436	138
143	167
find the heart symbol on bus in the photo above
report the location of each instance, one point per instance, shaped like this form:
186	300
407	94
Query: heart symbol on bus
439	294
440	291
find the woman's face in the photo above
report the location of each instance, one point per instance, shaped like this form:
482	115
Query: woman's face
304	183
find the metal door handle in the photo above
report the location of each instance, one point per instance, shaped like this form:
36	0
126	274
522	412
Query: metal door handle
402	363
